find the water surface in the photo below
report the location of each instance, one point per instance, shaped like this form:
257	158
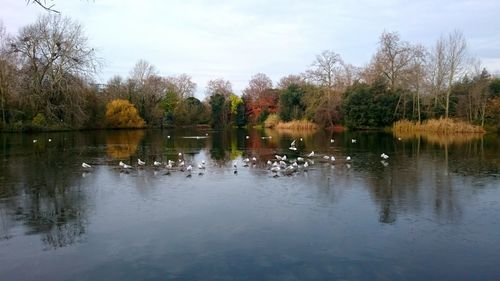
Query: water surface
429	212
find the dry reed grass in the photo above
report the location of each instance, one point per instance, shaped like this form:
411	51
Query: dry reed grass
437	126
297	125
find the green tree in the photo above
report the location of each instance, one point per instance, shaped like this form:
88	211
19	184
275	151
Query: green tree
291	103
368	106
218	110
169	104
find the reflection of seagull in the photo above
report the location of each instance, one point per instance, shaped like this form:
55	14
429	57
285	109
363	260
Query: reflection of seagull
86	166
140	162
293	148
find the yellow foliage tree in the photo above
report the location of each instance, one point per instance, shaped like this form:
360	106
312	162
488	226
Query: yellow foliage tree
122	114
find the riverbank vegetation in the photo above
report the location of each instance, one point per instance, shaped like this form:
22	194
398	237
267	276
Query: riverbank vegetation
47	81
437	126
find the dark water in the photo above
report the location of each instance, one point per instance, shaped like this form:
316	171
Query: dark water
429	212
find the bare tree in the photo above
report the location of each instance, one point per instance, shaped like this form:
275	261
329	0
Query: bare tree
43	4
437	71
393	58
219	86
292	79
325	72
416	78
142	70
325	68
257	85
56	60
456	60
147	89
182	85
7	72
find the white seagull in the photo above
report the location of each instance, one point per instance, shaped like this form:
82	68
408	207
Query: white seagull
86	166
140	162
311	154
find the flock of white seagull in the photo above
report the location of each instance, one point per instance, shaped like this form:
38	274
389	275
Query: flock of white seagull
280	164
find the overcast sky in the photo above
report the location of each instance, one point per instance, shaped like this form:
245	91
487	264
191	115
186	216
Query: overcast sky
236	39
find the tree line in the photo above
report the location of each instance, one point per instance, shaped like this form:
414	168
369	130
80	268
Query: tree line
47	71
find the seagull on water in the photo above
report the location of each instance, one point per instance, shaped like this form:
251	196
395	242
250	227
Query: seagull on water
86	166
348	158
384	156
140	162
156	163
311	154
354	140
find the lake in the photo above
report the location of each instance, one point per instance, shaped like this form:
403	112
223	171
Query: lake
430	211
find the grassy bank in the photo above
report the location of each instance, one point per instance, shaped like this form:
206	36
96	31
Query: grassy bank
437	126
299	125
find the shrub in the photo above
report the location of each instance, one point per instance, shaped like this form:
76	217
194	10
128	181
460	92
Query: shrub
39	120
122	114
271	121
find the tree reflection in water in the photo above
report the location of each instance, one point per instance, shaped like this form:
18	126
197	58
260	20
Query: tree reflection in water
45	195
40	185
